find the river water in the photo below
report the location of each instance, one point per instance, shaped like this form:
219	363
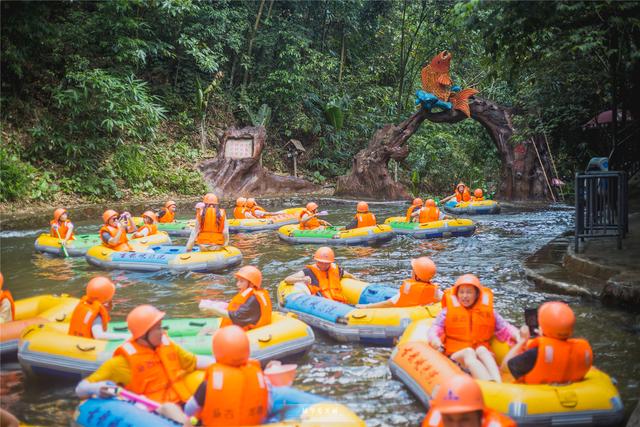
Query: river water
351	374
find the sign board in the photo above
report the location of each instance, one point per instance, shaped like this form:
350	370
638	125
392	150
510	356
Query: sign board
241	148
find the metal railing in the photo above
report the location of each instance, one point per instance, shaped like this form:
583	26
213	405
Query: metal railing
602	206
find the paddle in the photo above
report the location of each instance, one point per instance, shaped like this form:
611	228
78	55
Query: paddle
168	410
64	249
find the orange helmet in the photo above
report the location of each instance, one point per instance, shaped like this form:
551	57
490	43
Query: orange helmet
362	207
417	201
151	215
424	268
58	213
210	199
459	394
324	254
100	288
251	202
230	346
477	192
108	214
250	273
312	206
556	319
142	318
430	203
169	204
240	201
468	279
1	280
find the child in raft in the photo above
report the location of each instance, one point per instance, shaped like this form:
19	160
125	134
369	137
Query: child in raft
168	213
150	227
428	213
7	306
362	218
309	218
461	194
416	204
254	210
61	226
467	323
114	231
211	231
478	195
418	290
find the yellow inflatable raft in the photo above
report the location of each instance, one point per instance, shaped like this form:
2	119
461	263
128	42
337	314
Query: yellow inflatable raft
480	207
83	242
178	228
284	217
343	322
592	401
430	230
332	236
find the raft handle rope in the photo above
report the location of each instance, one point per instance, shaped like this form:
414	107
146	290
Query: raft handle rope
79	347
359	316
58	319
267	339
199	324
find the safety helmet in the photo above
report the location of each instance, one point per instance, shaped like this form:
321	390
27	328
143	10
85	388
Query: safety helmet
230	346
324	254
477	192
142	318
468	279
58	213
169	203
424	268
151	215
100	288
362	207
312	206
210	199
250	273
556	319
417	201
108	214
457	395
251	202
240	201
430	203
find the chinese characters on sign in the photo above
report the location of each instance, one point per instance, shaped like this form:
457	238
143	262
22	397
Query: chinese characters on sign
238	148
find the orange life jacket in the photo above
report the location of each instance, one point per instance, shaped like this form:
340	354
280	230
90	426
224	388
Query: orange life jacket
410	211
153	229
478	199
62	229
429	214
468	327
236	396
465	196
121	245
559	361
238	212
84	315
211	222
6	295
366	219
490	418
310	224
167	216
328	282
414	292
155	373
241	297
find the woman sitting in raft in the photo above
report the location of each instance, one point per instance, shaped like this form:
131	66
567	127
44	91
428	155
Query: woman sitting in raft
478	195
466	323
429	213
462	194
149	363
61	226
552	357
114	231
211	232
239	212
168	213
323	277
7	306
415	205
150	227
309	218
251	307
254	210
91	316
419	290
362	218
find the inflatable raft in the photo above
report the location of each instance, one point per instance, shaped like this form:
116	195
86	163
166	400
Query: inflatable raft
434	229
343	322
47	350
291	407
592	401
286	216
178	228
157	258
482	207
332	236
83	242
31	311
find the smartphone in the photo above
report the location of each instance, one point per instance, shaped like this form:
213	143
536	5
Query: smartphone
531	320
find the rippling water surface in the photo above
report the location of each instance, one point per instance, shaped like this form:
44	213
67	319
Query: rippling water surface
351	374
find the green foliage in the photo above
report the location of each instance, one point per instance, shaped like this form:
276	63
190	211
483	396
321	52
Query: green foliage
15	177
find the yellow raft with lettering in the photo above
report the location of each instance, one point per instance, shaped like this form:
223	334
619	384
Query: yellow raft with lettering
49	244
284	217
332	236
458	227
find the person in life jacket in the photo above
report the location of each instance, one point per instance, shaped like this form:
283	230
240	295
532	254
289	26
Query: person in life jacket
322	278
429	212
553	356
234	392
466	324
7	306
150	227
415	205
362	218
309	218
251	307
114	231
211	232
168	213
459	402
418	290
239	212
149	363
478	195
91	316
461	194
61	226
254	210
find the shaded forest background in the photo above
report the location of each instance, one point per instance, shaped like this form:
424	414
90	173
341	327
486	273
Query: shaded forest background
107	100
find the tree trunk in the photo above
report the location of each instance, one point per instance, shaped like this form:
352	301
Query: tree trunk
521	175
252	36
203	132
